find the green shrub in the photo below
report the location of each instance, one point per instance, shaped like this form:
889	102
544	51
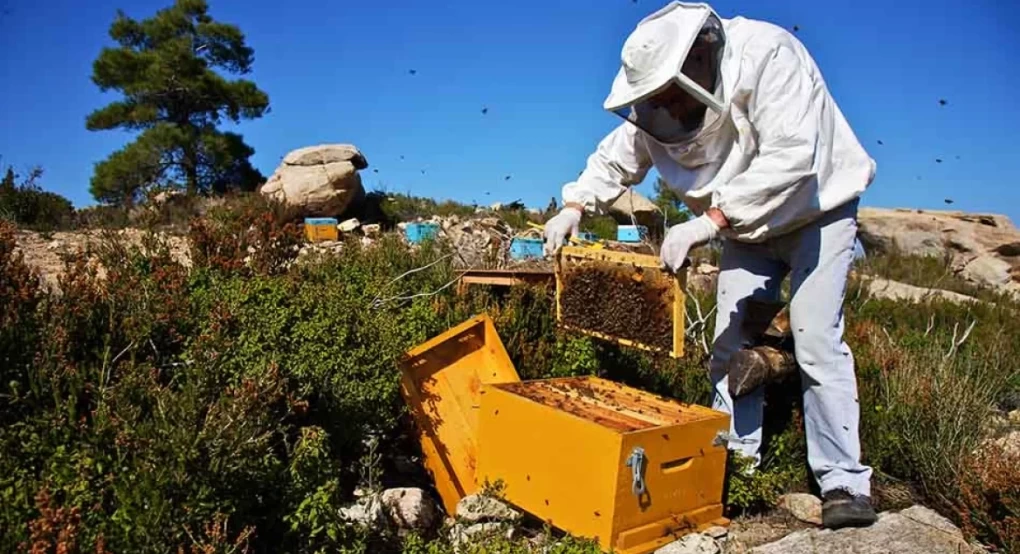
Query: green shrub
102	216
26	204
20	295
237	402
397	207
922	271
603	226
989	502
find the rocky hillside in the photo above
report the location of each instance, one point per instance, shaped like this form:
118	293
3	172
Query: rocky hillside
981	248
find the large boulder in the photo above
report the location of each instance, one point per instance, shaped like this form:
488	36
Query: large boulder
318	180
983	248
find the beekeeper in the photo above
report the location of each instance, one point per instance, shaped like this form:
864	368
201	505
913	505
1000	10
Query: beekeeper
735	116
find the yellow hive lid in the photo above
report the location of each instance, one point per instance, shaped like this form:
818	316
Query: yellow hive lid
442	384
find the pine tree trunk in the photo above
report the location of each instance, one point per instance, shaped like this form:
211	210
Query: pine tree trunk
190	163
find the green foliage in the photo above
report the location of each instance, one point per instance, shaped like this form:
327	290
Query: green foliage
670	202
989	502
238	402
103	217
603	226
20	295
169	69
26	204
750	489
922	271
397	207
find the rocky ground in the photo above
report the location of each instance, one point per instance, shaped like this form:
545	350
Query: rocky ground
791	529
46	251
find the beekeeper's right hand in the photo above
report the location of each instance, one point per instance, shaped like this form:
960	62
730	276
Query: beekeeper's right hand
561	226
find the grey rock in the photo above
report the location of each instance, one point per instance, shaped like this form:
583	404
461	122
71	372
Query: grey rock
989	270
894	290
477	508
367	512
706	269
916	530
410	509
716	532
326	154
981	247
805	507
318	180
462	534
691	544
348	225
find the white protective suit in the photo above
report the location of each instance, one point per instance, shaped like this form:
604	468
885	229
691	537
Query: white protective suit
779	154
776	156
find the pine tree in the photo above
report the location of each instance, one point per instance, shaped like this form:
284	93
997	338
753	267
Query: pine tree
170	70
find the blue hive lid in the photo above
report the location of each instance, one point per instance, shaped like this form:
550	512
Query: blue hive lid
320	221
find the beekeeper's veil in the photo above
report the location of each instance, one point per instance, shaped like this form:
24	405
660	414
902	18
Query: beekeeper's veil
653	67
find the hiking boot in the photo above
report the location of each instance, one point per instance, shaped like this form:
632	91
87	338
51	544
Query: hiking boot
841	509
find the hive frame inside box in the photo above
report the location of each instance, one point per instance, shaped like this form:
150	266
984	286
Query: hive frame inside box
579	255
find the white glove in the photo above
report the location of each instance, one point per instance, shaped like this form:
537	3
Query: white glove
681	238
561	226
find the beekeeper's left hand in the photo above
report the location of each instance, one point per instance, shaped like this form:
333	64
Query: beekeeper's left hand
683	237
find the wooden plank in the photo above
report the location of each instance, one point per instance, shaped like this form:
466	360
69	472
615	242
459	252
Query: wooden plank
626	258
441	381
505	277
619	340
679	319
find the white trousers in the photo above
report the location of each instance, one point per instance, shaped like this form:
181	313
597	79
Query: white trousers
818	258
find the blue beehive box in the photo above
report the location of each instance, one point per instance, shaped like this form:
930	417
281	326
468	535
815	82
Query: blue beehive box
418	232
631	233
525	248
588	236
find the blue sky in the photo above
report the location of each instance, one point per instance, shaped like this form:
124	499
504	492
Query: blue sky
340	72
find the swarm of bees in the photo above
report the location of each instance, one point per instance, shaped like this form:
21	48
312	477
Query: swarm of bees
608	299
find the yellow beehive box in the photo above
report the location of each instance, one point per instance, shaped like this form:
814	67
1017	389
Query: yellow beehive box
441	382
604	461
642	305
320	229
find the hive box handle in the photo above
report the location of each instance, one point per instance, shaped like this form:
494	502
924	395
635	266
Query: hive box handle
676	466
